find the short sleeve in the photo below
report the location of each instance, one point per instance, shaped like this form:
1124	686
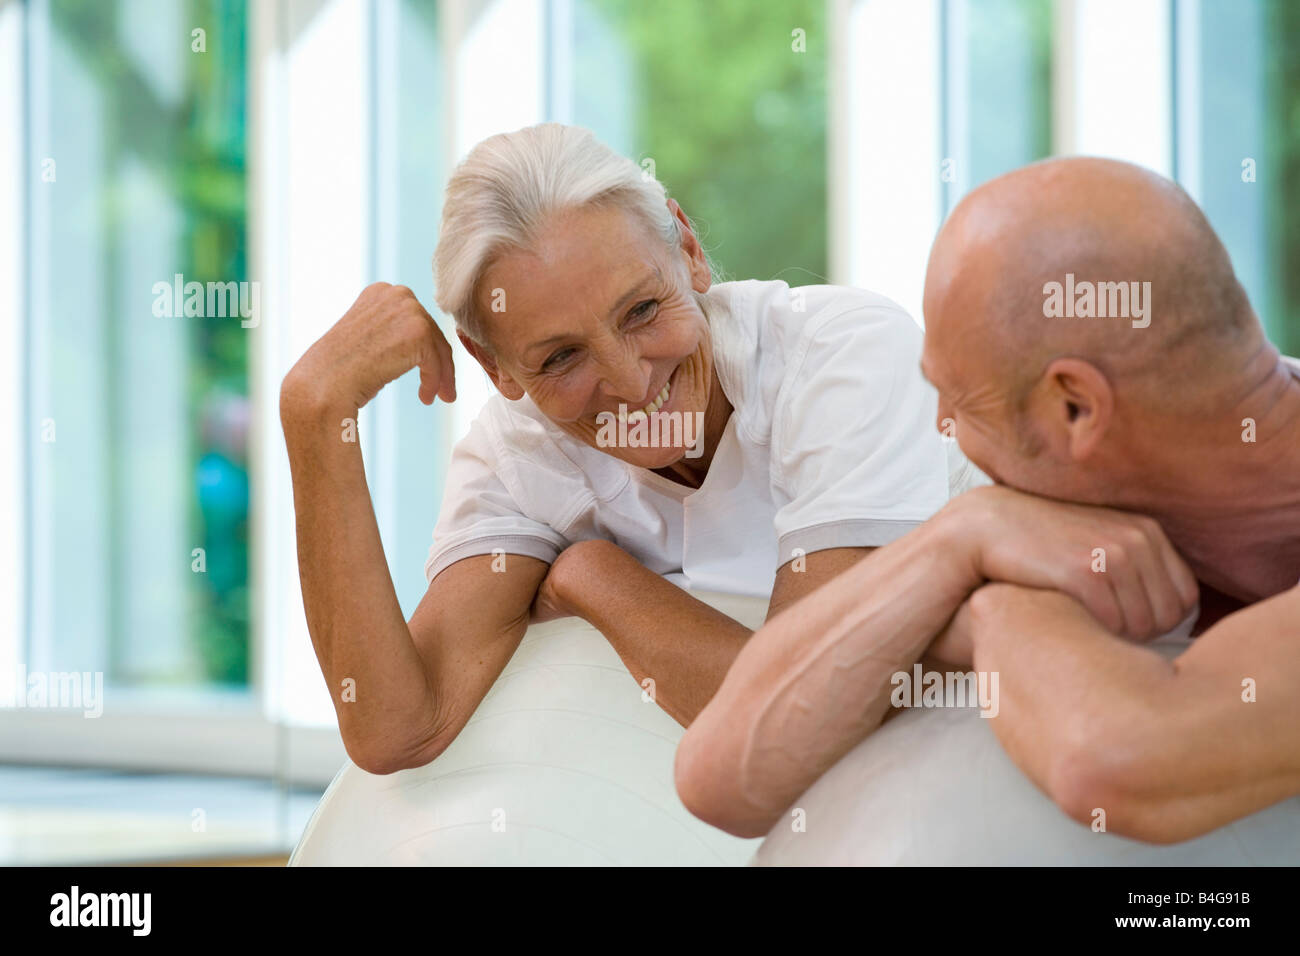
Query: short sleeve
479	514
856	456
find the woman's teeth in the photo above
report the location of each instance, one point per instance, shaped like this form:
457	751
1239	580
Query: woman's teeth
653	406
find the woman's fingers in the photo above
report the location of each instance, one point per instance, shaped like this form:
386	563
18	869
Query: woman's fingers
437	370
429	385
447	386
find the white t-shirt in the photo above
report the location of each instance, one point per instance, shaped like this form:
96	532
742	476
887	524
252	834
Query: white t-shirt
832	443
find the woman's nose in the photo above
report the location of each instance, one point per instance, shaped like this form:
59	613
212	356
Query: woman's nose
627	380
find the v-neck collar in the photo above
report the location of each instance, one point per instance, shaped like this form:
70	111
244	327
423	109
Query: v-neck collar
677	490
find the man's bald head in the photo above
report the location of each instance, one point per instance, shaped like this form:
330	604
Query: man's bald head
1100	221
1051	390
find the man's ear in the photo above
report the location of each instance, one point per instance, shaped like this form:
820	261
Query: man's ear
701	277
506	385
1077	403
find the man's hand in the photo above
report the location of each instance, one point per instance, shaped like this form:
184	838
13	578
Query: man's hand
1120	566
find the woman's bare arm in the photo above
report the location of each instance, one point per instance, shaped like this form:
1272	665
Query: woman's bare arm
663	633
402	692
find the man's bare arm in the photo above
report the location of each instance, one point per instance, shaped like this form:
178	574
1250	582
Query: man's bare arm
816	679
1168	749
807	689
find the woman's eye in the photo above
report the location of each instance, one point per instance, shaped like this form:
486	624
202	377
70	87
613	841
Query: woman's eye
642	310
557	360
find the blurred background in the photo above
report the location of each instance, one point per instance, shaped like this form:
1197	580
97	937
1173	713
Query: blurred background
288	152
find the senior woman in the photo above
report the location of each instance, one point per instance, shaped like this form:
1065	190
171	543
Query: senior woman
798	436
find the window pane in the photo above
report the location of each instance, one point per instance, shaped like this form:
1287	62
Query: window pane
1009	96
728	100
412	440
999	89
138	393
1239	144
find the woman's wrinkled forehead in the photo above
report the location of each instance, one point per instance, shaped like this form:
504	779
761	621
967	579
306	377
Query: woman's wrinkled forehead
583	269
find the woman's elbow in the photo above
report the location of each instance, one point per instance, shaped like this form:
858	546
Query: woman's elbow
381	758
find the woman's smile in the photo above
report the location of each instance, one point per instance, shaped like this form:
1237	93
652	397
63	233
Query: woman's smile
659	402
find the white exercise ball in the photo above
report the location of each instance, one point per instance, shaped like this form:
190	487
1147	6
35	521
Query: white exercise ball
565	762
933	787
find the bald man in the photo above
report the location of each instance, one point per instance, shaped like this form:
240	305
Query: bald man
1158	430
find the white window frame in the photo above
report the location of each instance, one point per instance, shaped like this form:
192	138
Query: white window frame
303	54
886	141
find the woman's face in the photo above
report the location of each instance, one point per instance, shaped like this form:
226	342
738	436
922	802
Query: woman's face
597	322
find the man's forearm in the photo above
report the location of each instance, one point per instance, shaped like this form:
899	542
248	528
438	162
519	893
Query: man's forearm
816	679
1168	749
660	631
1063	680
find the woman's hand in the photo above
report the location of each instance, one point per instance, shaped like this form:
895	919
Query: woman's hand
1120	566
384	335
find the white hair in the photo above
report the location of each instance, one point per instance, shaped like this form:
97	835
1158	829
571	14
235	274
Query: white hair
510	184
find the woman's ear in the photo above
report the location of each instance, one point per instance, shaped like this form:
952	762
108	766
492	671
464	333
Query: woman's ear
506	385
701	277
1078	403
